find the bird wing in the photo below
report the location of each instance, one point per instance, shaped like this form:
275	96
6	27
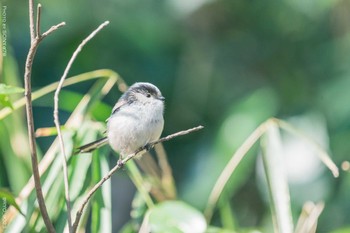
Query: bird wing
117	107
91	146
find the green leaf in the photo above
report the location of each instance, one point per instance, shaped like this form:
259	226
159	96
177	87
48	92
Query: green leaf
5	101
8	90
175	217
9	199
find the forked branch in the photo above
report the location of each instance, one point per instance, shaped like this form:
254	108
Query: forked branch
34	43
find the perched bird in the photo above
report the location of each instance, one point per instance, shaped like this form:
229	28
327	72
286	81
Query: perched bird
136	120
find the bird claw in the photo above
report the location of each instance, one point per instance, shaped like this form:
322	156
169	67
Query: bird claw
148	146
120	163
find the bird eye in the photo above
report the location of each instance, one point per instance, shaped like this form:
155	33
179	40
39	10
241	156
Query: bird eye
148	95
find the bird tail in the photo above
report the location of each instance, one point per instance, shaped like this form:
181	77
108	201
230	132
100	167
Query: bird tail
91	146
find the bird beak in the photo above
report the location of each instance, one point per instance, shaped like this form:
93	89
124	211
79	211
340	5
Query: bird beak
161	98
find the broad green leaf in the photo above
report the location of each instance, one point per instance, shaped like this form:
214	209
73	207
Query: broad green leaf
8	90
9	199
175	216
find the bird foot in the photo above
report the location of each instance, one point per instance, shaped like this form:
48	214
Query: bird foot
148	146
120	163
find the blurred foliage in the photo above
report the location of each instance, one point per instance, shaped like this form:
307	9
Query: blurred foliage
174	216
228	65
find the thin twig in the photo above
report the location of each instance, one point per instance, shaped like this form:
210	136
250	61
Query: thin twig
31	21
181	133
32	144
51	30
34	43
120	164
57	121
38	18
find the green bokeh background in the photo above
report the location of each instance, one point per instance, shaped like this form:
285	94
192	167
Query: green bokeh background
228	65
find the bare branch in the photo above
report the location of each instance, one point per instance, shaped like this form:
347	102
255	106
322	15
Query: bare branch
38	17
181	133
57	121
32	144
52	29
31	21
75	54
120	164
36	31
34	43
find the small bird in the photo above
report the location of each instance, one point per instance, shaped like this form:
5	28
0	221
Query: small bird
136	120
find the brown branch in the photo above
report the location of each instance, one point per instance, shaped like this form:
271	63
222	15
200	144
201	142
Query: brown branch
34	43
120	164
57	121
